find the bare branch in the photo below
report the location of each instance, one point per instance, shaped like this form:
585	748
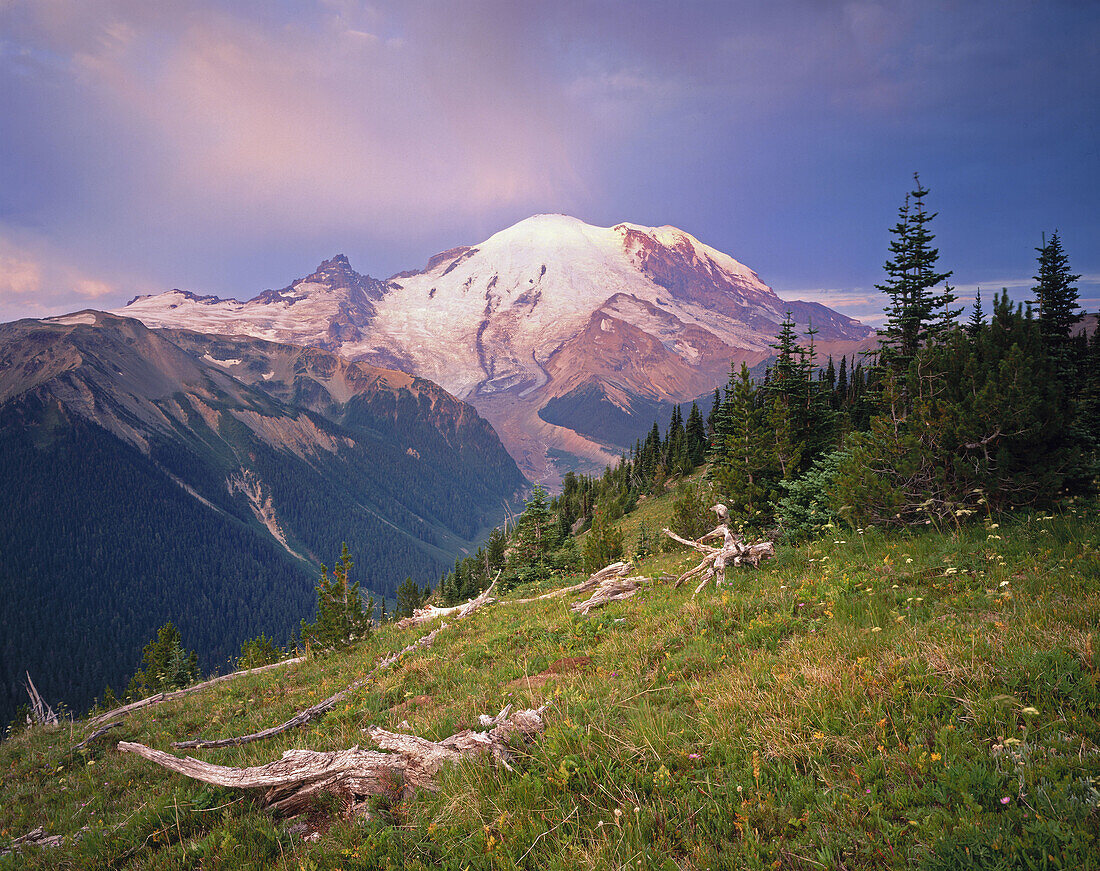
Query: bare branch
314	711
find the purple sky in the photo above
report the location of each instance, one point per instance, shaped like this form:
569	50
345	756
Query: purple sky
230	147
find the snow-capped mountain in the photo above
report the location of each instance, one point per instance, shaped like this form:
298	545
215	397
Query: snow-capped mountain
545	327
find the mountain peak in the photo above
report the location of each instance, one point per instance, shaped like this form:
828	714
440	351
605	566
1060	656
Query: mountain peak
340	261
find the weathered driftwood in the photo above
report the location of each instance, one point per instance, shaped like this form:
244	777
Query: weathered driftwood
733	551
352	774
424	615
98	733
314	711
178	694
615	570
610	590
41	713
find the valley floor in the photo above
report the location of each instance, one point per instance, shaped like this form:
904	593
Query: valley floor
862	701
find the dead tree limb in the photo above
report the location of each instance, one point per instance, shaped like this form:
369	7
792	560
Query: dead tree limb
424	615
98	733
38	838
610	590
615	570
178	694
41	713
314	711
351	774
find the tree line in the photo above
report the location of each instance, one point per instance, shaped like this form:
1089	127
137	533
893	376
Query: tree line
941	418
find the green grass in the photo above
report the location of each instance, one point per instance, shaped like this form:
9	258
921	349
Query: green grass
862	701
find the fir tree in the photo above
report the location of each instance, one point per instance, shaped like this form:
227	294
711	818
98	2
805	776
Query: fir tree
603	544
974	326
409	597
696	437
916	312
536	532
165	664
341	618
715	411
745	463
1055	295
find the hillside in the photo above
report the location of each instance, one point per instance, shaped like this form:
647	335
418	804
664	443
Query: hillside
153	476
862	701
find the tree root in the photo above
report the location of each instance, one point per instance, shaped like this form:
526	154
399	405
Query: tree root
733	552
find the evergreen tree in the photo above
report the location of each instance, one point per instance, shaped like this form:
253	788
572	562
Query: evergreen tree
536	533
165	665
258	651
974	326
745	464
410	596
696	437
603	544
341	618
715	411
1055	295
916	312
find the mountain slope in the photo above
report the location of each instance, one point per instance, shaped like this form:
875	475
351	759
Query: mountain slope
859	705
158	476
642	315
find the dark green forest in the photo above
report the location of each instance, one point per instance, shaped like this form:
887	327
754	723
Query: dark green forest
98	548
102	543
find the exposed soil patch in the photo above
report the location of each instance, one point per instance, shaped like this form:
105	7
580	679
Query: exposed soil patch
411	704
568	665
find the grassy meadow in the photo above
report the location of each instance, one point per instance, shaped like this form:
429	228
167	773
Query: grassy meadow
865	700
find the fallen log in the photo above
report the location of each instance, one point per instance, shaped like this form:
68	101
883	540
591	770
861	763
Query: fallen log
353	774
615	570
610	590
314	711
179	694
424	615
733	551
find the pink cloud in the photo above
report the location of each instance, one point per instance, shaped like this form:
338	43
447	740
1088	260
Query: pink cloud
327	124
37	280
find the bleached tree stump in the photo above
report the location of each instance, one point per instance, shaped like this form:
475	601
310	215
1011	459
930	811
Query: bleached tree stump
611	589
733	552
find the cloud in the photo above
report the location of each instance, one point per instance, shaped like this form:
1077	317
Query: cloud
19	275
860	303
36	280
343	117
